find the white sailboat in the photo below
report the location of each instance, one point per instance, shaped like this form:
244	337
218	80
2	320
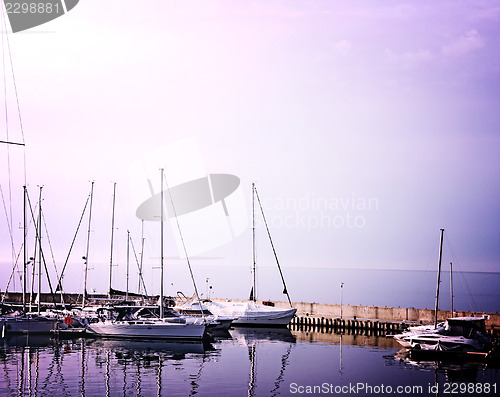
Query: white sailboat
456	333
142	322
251	313
23	322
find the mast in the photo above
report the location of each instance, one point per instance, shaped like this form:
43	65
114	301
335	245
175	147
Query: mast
161	247
86	257
24	250
253	293
142	256
39	249
451	287
438	279
112	233
128	262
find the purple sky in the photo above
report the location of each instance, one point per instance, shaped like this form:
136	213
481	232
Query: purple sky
382	114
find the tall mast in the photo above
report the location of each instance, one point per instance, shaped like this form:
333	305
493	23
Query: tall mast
24	250
161	247
112	233
451	287
86	257
128	262
142	256
253	295
39	250
438	279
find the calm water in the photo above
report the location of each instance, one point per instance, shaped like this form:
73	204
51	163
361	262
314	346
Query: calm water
244	362
473	291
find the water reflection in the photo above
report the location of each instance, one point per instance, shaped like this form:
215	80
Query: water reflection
453	371
244	361
256	339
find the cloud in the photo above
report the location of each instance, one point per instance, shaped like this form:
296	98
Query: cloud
469	42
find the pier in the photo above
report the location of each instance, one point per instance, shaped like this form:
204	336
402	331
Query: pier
324	316
350	326
371	319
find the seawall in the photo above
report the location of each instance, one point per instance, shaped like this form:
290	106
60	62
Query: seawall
390	314
317	310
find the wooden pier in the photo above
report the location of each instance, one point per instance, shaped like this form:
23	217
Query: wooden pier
342	325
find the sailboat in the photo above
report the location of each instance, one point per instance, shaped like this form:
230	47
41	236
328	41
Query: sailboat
251	313
146	322
23	322
455	334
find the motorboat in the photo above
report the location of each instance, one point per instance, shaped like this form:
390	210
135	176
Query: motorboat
457	333
250	313
215	321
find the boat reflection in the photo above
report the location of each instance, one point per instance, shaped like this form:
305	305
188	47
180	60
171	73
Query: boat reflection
253	335
255	339
149	349
453	370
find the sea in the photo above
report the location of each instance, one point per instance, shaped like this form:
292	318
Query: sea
265	362
472	291
239	362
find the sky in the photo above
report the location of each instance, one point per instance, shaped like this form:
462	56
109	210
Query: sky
366	126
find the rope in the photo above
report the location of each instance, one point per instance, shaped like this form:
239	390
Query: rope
470	299
184	247
17	97
50	244
9	224
10	216
59	282
139	268
285	291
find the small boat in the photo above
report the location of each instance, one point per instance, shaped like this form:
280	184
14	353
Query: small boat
251	313
23	321
27	324
147	322
197	310
464	334
458	334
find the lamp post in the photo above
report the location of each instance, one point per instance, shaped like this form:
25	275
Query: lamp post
341	292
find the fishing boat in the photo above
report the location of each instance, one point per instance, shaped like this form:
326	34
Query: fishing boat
251	313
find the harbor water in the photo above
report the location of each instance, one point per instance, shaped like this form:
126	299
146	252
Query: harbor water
240	362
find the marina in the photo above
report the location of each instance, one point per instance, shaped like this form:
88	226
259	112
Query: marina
245	198
243	361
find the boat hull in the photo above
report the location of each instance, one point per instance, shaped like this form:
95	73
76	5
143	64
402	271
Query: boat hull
146	330
253	314
26	325
266	320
